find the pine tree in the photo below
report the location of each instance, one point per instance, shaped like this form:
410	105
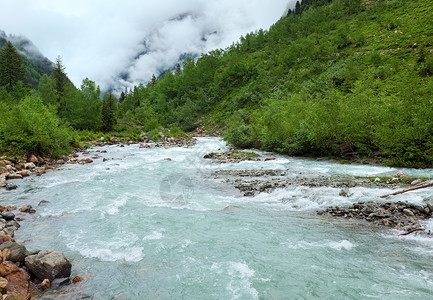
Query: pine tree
60	77
11	67
154	80
108	112
178	70
123	95
298	8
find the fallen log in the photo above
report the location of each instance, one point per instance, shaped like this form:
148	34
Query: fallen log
413	230
409	189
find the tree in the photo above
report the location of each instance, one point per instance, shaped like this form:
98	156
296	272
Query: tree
60	77
47	90
11	67
108	112
298	8
153	80
178	69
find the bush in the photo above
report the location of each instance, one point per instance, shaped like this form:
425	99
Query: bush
31	127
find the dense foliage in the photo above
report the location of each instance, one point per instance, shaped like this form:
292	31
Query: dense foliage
345	78
339	79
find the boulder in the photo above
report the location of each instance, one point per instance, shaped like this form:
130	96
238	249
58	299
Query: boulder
6	254
417	181
14	176
408	212
13	224
5	238
29	166
8	267
48	264
10	207
33	159
18	252
24	173
25	208
11	187
8	231
3	183
345	192
84	160
7	215
18	284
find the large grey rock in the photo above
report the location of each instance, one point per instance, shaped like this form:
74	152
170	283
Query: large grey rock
48	264
18	251
7	215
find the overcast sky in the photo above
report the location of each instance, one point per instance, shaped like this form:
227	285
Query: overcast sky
100	39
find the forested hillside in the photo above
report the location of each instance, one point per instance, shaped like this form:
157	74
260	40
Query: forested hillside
344	78
35	64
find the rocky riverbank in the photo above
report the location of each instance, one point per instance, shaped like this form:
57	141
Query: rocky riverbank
24	273
14	168
398	215
252	182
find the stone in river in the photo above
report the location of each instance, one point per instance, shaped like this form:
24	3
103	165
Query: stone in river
345	192
48	264
46	284
11	187
7	215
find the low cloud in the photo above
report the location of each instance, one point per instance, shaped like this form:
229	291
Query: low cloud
124	43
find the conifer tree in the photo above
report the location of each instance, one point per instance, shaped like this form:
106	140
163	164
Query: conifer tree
178	69
108	112
60	77
153	80
11	67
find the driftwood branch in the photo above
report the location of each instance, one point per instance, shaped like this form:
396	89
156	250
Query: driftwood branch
417	187
413	230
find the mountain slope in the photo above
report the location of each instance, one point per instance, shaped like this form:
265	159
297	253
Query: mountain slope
348	78
35	63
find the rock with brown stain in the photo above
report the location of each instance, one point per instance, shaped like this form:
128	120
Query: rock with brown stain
18	284
5	238
3	285
8	267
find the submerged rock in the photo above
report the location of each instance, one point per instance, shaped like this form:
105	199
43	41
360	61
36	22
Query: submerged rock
10	187
345	192
48	264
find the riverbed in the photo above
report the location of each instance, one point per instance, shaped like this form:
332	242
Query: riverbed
156	224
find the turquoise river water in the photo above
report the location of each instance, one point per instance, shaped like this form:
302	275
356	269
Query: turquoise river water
151	224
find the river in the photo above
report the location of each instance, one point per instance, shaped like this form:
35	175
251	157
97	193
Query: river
151	224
